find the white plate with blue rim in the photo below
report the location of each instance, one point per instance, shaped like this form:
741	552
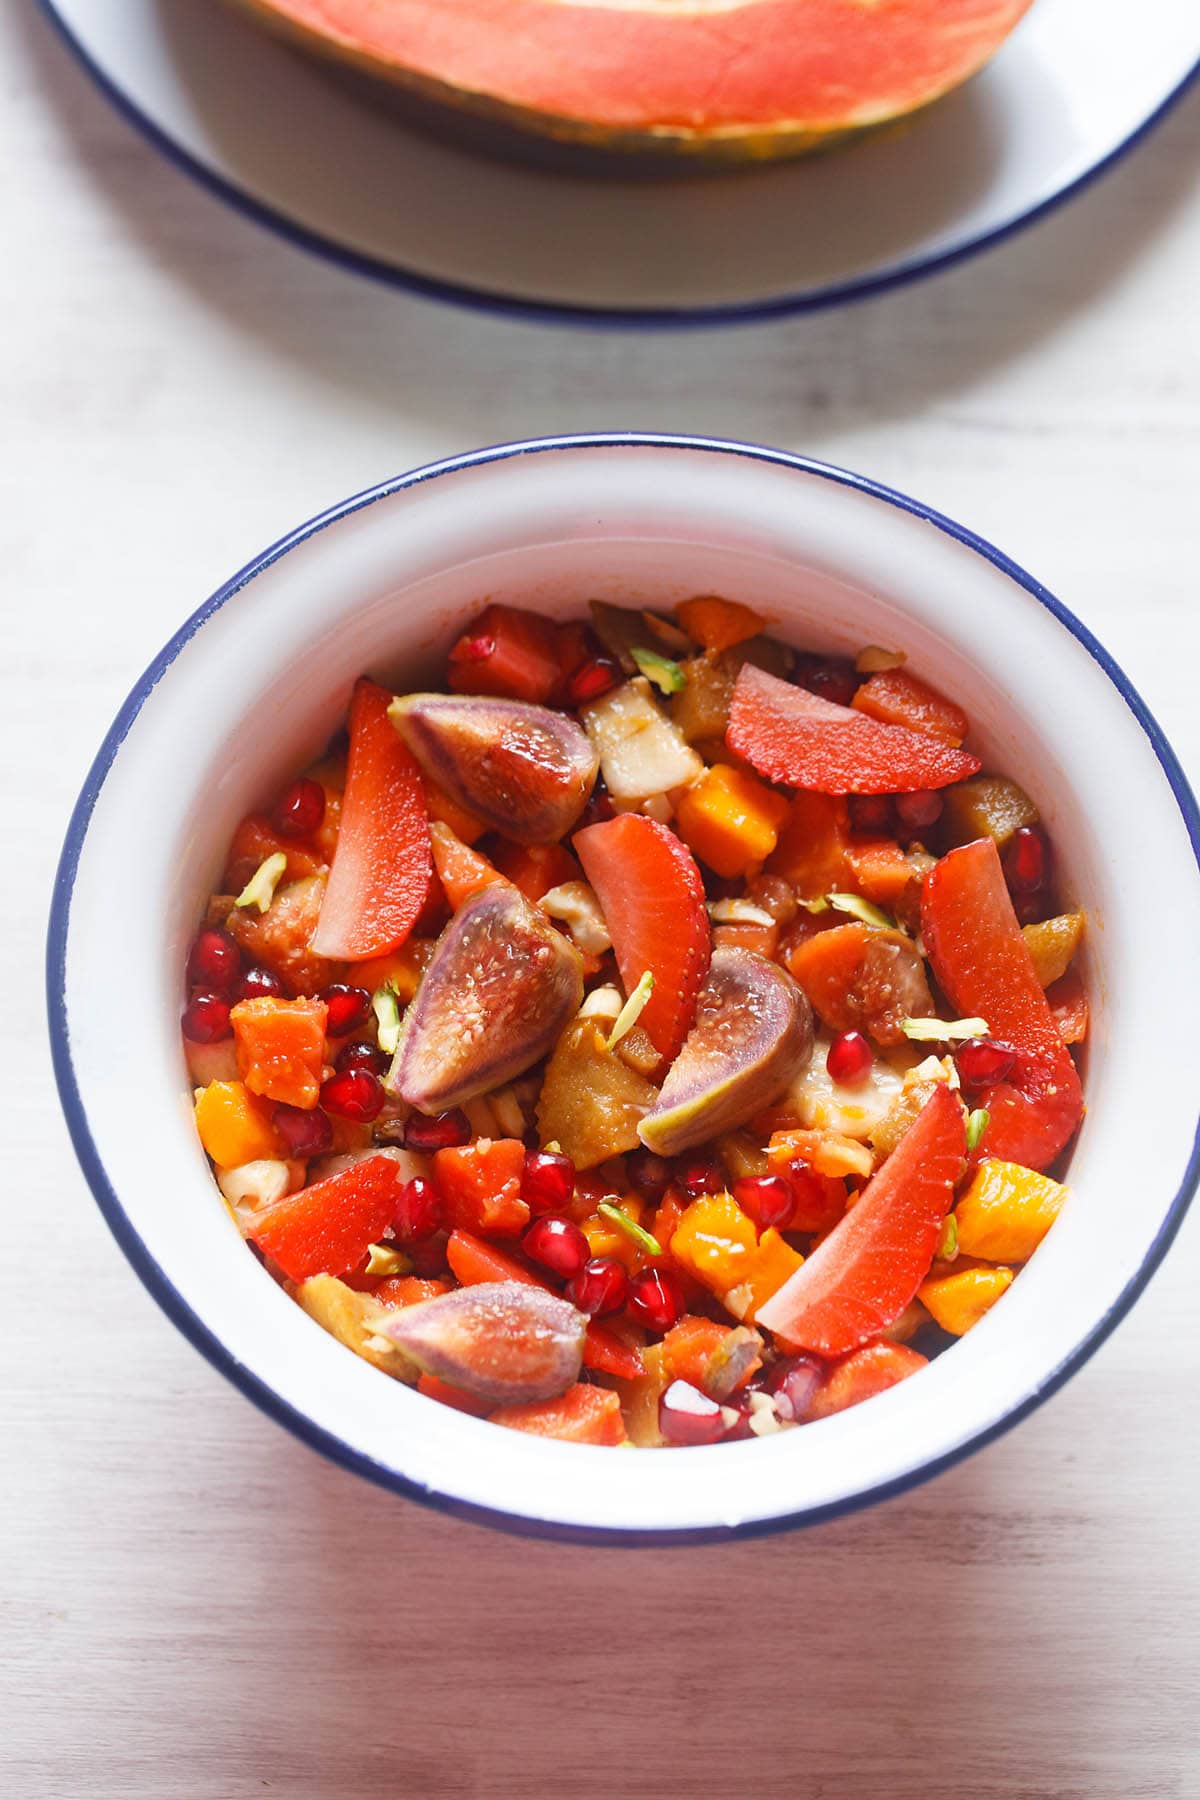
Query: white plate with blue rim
1078	84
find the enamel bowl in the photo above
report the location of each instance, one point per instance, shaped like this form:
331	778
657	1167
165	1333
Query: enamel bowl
254	683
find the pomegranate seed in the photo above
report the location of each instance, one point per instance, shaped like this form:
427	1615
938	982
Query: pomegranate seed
354	1094
598	808
206	1019
983	1061
428	1257
768	1199
829	676
811	1207
741	1425
357	1055
701	1175
304	1133
547	1182
600	1287
794	1382
418	1212
260	984
870	814
300	809
474	647
558	1245
850	1057
592	678
349	1008
1029	908
919	811
686	1416
1027	860
214	962
656	1299
442	1131
649	1175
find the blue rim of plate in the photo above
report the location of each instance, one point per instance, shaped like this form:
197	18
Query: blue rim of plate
663	318
158	1283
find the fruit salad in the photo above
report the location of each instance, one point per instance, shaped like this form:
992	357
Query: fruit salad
661	1036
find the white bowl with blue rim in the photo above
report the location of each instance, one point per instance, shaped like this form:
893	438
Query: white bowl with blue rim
251	688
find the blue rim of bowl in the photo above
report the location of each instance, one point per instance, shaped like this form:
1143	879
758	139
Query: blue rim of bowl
160	1285
663	318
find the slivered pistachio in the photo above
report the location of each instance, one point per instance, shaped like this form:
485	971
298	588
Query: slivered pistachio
943	1031
616	1215
259	891
666	675
858	908
386	1008
977	1124
632	1010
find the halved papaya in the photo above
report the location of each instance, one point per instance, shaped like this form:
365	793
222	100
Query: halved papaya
710	80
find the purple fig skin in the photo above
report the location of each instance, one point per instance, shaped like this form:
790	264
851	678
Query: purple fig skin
524	770
753	1034
503	1341
496	996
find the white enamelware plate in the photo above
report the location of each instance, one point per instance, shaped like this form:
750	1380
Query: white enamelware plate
270	131
252	685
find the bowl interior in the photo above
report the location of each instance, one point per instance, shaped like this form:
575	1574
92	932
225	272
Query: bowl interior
259	684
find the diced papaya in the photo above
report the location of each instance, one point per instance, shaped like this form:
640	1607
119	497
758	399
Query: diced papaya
881	871
461	870
583	1415
959	1299
718	624
480	1184
1007	1211
772	1263
445	809
402	968
506	651
746	935
862	1375
434	1388
716	1242
986	806
254	840
607	1239
1052	943
730	819
235	1126
536	868
811	852
827	1153
899	698
280	938
325	1228
1068	1002
409	1290
688	1346
826	967
281	1048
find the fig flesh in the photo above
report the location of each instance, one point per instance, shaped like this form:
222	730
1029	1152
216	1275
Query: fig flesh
500	987
752	1036
503	1341
523	769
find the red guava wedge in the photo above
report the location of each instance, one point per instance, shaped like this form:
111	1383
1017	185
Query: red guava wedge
326	1228
790	735
652	897
748	80
382	865
984	968
861	1277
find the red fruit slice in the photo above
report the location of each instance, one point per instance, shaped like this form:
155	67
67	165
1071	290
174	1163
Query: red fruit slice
325	1229
863	1275
382	865
790	735
689	78
508	652
983	966
652	897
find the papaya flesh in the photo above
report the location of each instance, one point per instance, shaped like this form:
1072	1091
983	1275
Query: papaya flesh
692	80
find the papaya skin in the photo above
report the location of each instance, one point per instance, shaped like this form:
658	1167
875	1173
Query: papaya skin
638	80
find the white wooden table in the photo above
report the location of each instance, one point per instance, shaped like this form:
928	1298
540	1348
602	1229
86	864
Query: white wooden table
195	1605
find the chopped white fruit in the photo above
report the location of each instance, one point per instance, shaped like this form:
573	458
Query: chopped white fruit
411	1164
603	1004
738	912
576	905
260	1183
852	1110
641	752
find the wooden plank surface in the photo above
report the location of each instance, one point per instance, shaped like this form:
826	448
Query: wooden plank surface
195	1605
